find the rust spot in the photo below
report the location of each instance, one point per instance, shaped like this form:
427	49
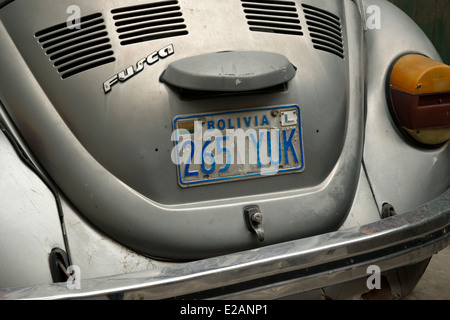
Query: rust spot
367	230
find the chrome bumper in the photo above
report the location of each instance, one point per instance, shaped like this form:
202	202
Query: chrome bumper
279	270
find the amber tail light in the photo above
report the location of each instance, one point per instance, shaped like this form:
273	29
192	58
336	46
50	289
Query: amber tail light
419	99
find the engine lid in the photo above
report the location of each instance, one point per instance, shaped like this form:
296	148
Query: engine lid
108	96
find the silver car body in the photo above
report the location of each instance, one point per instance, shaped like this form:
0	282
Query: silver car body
99	140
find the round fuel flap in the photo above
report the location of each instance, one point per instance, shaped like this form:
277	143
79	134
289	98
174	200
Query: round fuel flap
419	91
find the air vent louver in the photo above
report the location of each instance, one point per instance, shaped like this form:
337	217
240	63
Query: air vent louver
272	16
79	49
325	30
149	22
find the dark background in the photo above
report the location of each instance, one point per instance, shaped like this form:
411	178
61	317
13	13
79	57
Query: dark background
433	16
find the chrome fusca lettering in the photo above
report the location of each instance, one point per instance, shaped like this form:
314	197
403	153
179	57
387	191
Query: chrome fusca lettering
131	71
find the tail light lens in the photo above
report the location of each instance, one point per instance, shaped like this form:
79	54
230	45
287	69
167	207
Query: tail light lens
419	93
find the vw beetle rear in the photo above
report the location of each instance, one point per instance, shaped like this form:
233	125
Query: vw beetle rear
242	136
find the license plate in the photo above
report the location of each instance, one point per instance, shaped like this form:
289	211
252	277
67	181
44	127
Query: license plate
226	146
